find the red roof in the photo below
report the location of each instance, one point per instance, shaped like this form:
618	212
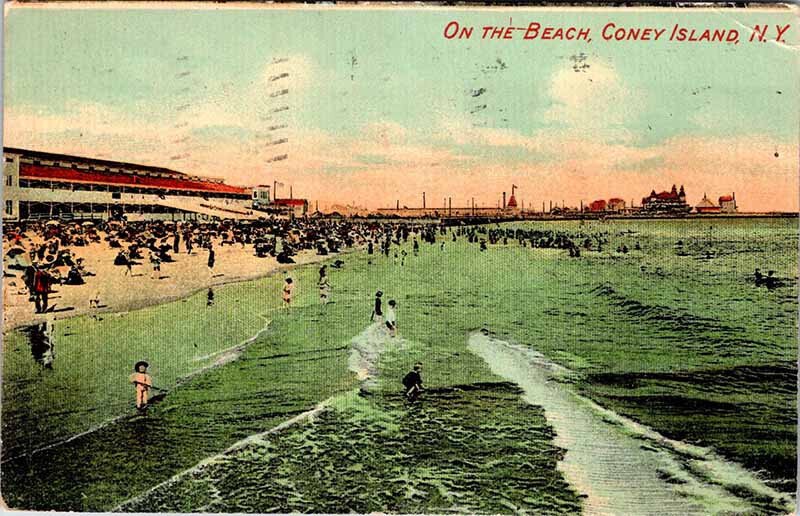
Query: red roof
666	195
289	202
725	198
70	175
598	205
512	202
615	200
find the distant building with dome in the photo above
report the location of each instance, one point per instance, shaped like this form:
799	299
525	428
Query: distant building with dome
707	206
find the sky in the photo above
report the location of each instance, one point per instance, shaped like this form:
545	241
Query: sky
374	106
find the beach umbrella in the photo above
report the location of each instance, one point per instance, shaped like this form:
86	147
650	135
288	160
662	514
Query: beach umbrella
88	224
52	223
15	251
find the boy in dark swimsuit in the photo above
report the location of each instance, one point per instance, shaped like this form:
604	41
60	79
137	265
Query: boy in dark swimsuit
413	382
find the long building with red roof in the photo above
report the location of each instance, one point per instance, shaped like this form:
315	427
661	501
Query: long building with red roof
46	185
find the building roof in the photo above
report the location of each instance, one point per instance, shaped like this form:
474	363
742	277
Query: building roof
89	161
616	200
290	202
666	195
512	202
725	198
672	195
706	203
50	173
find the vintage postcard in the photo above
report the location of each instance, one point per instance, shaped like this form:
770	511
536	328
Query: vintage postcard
400	259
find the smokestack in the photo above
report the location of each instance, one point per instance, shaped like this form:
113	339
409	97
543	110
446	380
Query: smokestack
450	206
290	192
504	200
398	204
423	200
551	205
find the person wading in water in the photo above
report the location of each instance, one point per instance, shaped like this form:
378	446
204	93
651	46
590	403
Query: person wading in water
377	313
413	382
142	381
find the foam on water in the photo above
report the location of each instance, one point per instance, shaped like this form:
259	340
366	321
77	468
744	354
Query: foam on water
367	348
621	466
363	361
256	438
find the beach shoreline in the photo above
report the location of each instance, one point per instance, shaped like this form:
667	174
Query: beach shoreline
186	276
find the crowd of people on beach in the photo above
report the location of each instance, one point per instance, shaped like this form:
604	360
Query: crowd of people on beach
49	254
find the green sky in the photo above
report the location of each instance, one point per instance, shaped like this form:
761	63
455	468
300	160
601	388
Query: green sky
197	83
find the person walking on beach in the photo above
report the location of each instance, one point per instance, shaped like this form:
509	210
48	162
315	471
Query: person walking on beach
324	286
391	318
142	382
377	313
41	289
155	261
124	258
288	289
413	382
211	258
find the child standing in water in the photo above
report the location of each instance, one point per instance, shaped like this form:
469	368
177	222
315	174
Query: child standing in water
391	318
377	313
324	287
142	381
288	289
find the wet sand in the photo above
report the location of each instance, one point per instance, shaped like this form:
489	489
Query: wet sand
120	292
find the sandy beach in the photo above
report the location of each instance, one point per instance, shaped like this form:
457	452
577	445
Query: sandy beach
118	291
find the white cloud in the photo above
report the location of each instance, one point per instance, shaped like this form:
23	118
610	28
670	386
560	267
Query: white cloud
592	99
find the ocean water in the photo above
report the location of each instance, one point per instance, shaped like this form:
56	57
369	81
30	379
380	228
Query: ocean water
675	337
